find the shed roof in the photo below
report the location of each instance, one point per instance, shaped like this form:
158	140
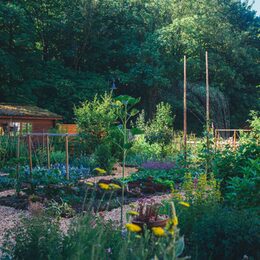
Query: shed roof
14	110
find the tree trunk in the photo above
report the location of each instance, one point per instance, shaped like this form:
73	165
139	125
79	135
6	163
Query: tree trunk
152	100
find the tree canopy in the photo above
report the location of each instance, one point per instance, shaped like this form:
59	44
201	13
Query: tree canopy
58	53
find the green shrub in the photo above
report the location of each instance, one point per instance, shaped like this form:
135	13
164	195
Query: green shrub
94	119
103	157
244	192
158	130
228	163
203	195
164	177
57	157
226	234
6	183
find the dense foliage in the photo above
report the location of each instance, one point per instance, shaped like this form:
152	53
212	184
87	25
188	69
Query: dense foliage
57	53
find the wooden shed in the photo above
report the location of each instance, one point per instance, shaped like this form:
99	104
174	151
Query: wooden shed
25	119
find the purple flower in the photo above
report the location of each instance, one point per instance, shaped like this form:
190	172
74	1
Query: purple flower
153	165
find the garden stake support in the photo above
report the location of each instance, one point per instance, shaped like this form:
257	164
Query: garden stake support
67	156
207	109
48	151
185	110
18	157
30	153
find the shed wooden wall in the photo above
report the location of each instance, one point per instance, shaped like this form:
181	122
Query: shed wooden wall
40	126
69	128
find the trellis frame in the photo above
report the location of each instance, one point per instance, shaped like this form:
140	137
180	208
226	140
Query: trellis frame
47	135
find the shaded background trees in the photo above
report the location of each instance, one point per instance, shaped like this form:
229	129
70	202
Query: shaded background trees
57	53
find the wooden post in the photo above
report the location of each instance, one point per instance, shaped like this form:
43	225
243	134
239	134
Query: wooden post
30	153
207	92
235	139
67	156
207	108
43	140
17	156
185	109
21	128
48	151
215	139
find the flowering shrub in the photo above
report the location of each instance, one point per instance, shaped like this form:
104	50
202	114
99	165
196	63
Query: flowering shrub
165	177
155	165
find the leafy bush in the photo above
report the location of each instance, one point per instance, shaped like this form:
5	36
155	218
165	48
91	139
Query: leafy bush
6	183
224	233
57	157
97	123
228	163
165	177
142	151
160	128
95	119
202	193
104	157
213	231
244	192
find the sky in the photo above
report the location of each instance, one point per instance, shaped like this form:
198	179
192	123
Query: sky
256	6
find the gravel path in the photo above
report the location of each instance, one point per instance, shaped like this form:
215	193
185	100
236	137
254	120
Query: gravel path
9	217
116	173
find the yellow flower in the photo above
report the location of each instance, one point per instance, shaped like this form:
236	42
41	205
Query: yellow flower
186	204
100	171
133	227
88	183
114	186
103	186
133	213
175	221
158	231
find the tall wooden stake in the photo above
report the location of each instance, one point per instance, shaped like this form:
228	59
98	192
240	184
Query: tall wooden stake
30	153
67	156
235	139
185	109
18	156
48	151
207	92
207	107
